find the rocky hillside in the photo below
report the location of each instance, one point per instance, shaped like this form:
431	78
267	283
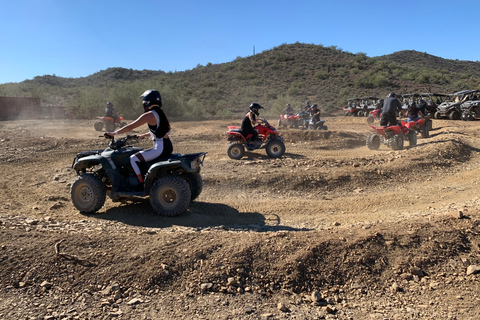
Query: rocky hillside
291	73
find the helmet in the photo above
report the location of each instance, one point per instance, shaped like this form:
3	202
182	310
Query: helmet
392	95
288	105
254	107
151	98
314	106
109	104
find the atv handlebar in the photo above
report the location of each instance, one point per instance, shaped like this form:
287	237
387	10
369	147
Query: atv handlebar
121	142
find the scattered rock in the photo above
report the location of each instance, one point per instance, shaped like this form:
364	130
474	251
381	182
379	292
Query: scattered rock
473	269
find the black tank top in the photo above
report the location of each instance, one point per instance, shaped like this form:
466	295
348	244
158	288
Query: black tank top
246	123
164	126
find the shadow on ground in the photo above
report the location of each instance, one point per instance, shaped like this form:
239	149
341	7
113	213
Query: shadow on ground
200	215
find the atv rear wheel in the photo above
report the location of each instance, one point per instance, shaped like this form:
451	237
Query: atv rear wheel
424	132
196	183
170	196
412	138
396	142
88	193
429	124
235	151
98	125
109	126
275	149
373	141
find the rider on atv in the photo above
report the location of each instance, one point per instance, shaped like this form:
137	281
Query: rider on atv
390	106
289	110
110	112
413	113
249	122
159	129
315	113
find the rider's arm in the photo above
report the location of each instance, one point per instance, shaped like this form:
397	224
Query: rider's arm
144	118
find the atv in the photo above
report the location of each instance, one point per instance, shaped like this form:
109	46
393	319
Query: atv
170	183
392	136
290	121
303	117
470	110
452	106
109	123
268	138
317	125
423	125
375	114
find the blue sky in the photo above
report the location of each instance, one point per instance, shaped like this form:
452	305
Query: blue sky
76	38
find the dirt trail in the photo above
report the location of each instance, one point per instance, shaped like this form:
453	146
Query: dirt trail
332	230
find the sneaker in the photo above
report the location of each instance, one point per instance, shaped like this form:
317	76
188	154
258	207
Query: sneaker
250	146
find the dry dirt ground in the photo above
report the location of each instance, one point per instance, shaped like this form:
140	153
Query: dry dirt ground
332	230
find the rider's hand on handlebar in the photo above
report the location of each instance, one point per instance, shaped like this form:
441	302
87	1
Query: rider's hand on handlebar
108	135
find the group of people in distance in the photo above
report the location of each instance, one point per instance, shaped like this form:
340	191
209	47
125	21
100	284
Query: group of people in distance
313	110
391	105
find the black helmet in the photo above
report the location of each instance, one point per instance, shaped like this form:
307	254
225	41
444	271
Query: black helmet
392	95
151	98
254	107
109	104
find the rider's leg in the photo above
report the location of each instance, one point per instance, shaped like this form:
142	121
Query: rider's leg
146	155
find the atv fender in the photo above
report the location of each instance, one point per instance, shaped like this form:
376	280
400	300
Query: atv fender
93	160
178	166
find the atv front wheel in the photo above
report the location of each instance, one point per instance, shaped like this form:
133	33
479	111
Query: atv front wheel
370	119
88	193
170	196
275	149
373	141
196	183
236	151
98	125
437	115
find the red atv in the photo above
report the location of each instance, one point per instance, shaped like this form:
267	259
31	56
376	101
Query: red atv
392	136
267	138
375	114
109	123
422	125
287	120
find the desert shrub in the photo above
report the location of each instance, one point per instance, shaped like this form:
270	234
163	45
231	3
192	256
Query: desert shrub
296	73
321	75
271	95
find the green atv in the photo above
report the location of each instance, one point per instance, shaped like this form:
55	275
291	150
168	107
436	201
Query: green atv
170	183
